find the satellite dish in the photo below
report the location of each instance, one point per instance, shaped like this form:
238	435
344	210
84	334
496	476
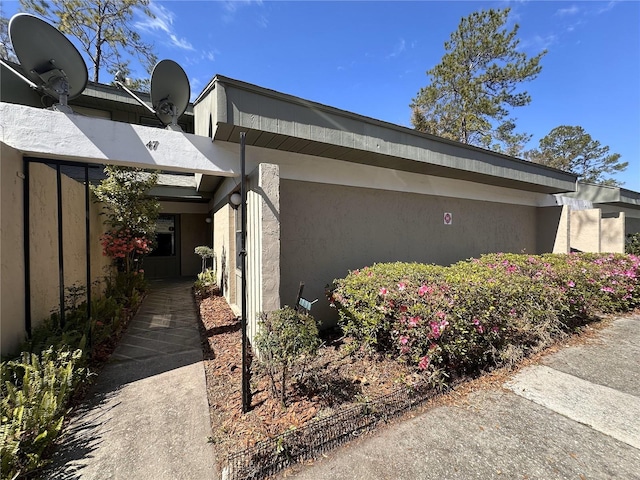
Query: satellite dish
170	92
51	62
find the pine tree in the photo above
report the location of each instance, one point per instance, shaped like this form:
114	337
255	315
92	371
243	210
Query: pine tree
571	148
476	84
104	29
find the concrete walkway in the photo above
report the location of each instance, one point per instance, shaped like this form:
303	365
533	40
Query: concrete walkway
575	416
147	415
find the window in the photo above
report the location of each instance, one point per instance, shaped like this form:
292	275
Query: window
165	237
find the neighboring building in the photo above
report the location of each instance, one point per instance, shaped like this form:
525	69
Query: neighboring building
329	191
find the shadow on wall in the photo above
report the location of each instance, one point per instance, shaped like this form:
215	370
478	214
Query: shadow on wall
224	274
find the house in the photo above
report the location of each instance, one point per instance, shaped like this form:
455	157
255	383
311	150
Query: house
329	191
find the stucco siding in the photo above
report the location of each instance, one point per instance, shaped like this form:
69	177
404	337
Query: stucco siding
12	329
43	230
224	247
327	230
195	232
632	225
612	238
585	230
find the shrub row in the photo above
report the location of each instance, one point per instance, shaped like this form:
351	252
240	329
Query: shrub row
483	312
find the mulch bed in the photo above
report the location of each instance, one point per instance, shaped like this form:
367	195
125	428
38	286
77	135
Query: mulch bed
334	381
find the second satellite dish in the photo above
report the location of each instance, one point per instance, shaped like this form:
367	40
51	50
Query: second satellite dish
170	92
51	62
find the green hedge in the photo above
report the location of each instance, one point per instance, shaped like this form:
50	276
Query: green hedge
483	312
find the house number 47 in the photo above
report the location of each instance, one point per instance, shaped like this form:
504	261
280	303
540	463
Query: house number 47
152	144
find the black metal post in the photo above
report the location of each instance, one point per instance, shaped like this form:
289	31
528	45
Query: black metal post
60	244
27	247
87	212
246	393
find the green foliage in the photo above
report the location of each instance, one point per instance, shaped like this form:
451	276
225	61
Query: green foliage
37	386
132	216
632	245
34	394
571	149
206	280
285	338
205	253
126	201
104	28
480	313
475	85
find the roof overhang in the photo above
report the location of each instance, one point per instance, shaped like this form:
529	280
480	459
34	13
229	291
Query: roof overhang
283	122
605	195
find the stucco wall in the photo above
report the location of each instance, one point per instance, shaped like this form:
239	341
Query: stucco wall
43	230
327	230
263	244
11	253
553	230
195	231
224	247
585	230
612	237
43	239
632	225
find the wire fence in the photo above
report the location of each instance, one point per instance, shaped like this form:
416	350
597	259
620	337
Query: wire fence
319	436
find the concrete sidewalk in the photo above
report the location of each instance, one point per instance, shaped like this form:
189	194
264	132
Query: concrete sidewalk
575	416
147	415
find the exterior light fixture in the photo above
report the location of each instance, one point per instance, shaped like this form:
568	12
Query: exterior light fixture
208	219
235	199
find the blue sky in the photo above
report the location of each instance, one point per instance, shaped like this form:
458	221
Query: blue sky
371	57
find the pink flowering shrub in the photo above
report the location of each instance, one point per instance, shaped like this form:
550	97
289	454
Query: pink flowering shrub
480	313
124	247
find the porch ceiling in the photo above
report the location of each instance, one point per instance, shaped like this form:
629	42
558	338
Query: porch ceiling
283	122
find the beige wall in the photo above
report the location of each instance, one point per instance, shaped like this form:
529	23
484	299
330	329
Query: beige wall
585	230
632	225
43	225
12	329
195	231
224	247
263	244
612	237
327	230
552	229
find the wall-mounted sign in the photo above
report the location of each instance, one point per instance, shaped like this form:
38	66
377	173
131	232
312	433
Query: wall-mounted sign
448	218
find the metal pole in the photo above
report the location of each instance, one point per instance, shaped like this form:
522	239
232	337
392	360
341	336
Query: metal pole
27	249
246	393
60	245
87	237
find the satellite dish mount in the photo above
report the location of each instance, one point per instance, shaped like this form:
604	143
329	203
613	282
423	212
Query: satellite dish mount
170	92
51	63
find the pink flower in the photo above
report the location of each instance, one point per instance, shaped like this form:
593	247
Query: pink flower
571	283
402	286
435	330
423	290
495	329
607	289
476	321
414	321
383	291
404	340
424	362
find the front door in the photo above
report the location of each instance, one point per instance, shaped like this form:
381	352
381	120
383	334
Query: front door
164	260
